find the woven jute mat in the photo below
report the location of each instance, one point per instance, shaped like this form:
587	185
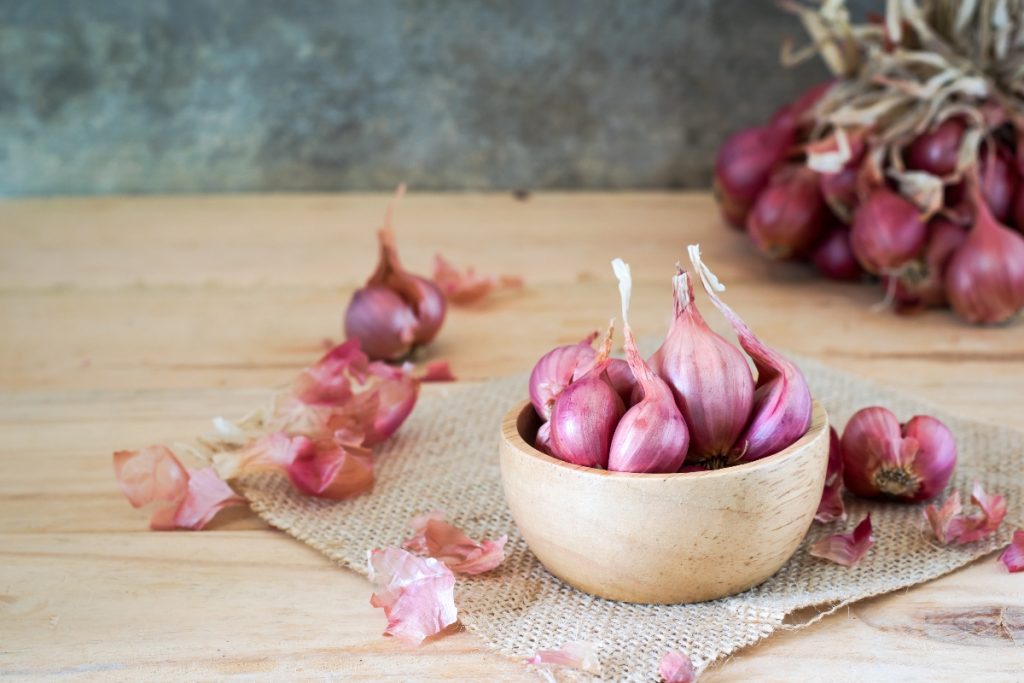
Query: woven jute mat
446	458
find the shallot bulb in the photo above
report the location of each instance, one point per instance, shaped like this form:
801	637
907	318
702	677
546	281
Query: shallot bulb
834	258
396	311
652	435
584	415
745	162
937	150
998	180
920	283
788	215
911	463
985	277
556	370
887	231
839	189
782	405
708	376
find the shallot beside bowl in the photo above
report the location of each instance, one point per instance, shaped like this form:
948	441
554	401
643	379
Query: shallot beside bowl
662	538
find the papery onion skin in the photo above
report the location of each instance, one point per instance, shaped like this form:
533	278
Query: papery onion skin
887	231
652	435
744	163
556	370
709	378
834	258
909	463
789	214
936	151
985	277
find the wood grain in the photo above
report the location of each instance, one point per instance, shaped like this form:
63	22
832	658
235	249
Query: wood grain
131	321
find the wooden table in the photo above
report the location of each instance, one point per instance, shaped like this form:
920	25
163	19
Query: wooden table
132	321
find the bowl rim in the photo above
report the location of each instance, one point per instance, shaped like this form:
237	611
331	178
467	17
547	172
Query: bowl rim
510	434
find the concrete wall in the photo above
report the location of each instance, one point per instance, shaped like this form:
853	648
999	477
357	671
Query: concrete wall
229	95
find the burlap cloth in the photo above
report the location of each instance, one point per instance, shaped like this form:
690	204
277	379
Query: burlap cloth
446	458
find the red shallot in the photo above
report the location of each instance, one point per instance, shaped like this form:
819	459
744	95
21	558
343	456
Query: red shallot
709	377
911	462
652	435
585	414
782	407
396	311
985	277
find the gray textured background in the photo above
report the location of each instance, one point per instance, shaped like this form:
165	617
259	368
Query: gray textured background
231	95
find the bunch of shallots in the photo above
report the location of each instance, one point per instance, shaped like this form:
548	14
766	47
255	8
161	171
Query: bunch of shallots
906	168
694	404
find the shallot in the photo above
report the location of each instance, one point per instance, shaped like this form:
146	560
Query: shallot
781	410
709	377
395	311
985	277
652	435
787	217
909	462
585	414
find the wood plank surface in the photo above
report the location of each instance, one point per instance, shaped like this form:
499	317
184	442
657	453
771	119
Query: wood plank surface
128	321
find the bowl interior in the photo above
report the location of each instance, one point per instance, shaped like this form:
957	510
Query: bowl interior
527	422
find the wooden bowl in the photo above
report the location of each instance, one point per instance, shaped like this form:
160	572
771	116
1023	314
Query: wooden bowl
662	538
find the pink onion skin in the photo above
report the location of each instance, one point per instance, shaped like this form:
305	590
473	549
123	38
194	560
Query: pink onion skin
887	231
936	151
744	163
555	371
788	215
782	407
834	258
652	435
382	322
883	459
923	286
709	378
583	420
985	277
